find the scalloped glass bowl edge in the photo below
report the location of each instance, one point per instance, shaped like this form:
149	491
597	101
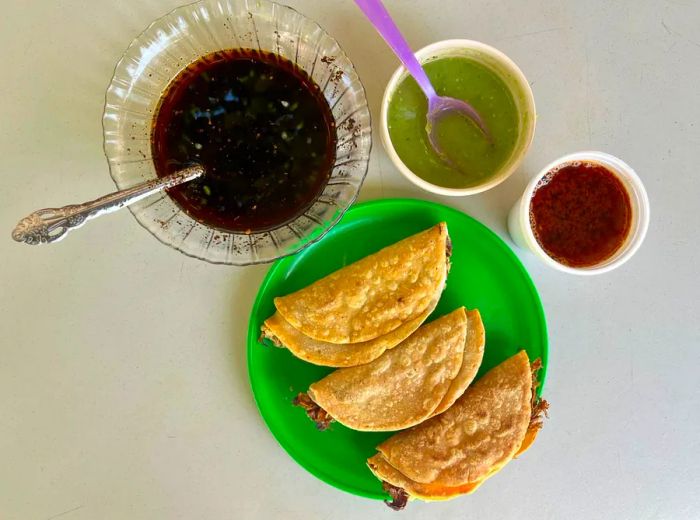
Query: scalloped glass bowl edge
169	44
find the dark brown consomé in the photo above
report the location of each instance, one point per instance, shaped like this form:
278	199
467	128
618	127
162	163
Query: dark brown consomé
262	129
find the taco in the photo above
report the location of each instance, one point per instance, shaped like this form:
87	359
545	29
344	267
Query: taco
452	454
403	387
323	353
373	296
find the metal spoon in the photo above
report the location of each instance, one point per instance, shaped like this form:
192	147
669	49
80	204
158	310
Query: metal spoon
438	106
51	224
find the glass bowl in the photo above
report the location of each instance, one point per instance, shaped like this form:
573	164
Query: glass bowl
177	39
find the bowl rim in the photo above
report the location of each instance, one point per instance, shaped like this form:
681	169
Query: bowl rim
636	191
331	223
438	49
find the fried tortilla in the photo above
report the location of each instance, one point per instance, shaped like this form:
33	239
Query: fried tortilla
282	334
405	385
373	296
473	354
427	492
495	420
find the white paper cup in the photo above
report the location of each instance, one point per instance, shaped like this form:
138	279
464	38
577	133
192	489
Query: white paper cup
520	227
507	70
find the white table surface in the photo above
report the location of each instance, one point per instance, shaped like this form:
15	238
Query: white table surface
123	384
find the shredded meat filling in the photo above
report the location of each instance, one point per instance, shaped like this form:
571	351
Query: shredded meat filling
265	333
538	405
317	414
448	252
399	497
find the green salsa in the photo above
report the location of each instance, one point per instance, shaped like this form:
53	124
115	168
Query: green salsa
476	157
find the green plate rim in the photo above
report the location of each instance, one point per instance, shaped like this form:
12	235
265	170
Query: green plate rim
283	263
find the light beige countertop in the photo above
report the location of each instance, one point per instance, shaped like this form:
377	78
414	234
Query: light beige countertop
123	385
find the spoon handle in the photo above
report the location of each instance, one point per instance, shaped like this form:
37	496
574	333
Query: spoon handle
377	14
51	224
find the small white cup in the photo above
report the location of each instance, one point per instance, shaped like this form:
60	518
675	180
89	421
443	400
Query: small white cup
520	227
506	70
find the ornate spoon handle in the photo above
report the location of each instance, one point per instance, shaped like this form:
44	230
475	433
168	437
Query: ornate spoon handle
51	224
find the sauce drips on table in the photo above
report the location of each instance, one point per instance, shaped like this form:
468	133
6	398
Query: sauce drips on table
261	128
581	214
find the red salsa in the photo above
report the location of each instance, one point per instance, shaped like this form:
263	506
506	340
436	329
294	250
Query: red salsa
261	128
580	214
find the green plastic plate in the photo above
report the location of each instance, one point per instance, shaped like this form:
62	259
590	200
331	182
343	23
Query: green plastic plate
485	274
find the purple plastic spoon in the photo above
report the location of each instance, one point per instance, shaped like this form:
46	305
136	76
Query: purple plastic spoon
438	106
